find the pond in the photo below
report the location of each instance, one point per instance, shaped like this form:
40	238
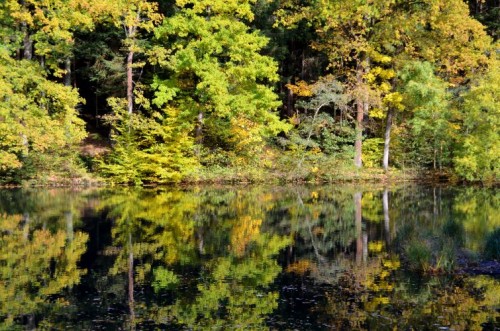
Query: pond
247	257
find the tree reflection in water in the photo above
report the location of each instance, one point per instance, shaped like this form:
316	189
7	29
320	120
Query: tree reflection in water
244	258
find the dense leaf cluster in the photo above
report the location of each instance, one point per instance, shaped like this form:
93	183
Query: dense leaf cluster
173	91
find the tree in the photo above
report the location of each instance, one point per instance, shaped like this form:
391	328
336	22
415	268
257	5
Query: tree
478	152
48	28
213	72
39	119
367	42
426	96
134	17
346	35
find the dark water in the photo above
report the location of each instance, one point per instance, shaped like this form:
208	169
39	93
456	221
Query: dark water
251	258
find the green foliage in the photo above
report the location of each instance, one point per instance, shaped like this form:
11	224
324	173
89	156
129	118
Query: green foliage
426	97
157	149
322	129
214	72
478	151
419	255
164	279
201	86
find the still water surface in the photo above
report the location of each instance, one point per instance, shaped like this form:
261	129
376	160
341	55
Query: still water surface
245	257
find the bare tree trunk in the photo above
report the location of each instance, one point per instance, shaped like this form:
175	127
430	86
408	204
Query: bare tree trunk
27	55
67	75
434	159
387	139
130	83
361	107
27	44
199	133
27	41
358	217
359	133
290	111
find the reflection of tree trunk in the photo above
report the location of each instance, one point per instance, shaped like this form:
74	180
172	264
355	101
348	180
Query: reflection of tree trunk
365	246
387	139
31	322
358	221
308	221
201	243
387	228
316	251
131	282
434	203
26	228
69	225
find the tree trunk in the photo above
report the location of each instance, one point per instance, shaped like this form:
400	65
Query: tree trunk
290	111
130	83
27	41
199	133
67	75
359	133
361	107
27	44
387	139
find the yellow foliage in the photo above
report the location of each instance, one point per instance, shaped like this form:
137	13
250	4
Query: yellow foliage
377	112
375	246
301	89
394	100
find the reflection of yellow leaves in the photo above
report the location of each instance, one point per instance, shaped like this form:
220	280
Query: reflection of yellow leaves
491	288
35	265
318	231
373	304
301	267
244	232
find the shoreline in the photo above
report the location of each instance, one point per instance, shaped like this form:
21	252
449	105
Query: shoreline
233	176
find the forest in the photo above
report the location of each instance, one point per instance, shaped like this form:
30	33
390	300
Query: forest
142	92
